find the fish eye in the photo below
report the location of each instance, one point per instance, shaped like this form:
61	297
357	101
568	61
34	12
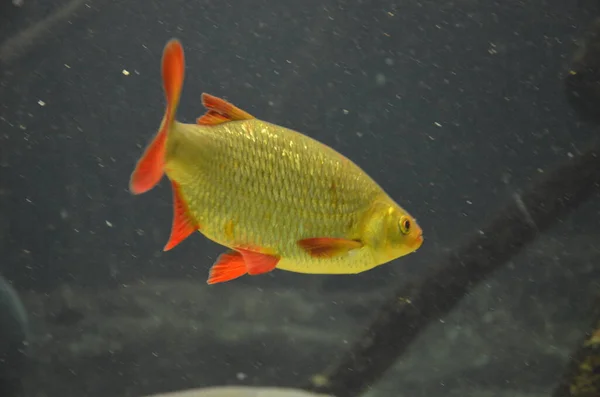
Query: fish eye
404	225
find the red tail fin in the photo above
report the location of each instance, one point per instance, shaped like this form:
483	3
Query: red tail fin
150	168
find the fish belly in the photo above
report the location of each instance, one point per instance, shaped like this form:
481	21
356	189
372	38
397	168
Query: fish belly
257	185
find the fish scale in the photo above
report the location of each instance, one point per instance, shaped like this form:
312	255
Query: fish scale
302	182
267	180
275	197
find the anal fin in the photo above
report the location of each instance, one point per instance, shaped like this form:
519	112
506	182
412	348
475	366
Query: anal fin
183	224
228	266
257	262
236	263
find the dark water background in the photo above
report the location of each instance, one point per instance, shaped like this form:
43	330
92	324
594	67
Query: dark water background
451	106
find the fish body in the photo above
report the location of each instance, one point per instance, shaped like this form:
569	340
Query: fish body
277	198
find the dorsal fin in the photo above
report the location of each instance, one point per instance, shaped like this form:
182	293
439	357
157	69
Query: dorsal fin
220	111
212	118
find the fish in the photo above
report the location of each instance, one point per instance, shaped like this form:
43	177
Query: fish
240	391
276	198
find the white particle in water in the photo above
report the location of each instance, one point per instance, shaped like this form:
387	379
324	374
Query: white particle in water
380	79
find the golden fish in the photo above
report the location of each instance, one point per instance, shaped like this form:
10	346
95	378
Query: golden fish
275	197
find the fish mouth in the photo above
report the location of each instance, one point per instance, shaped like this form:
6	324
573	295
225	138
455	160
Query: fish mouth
418	241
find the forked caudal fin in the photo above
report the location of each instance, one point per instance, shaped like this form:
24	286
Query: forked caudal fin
150	168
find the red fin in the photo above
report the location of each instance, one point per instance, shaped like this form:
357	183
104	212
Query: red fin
258	263
229	265
328	247
183	224
212	118
220	111
150	168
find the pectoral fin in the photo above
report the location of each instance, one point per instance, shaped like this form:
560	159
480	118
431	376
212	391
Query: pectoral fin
328	247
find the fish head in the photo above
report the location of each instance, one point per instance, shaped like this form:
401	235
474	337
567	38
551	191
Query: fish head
392	232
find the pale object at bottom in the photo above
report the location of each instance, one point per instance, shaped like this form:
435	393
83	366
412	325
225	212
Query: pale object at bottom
239	391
